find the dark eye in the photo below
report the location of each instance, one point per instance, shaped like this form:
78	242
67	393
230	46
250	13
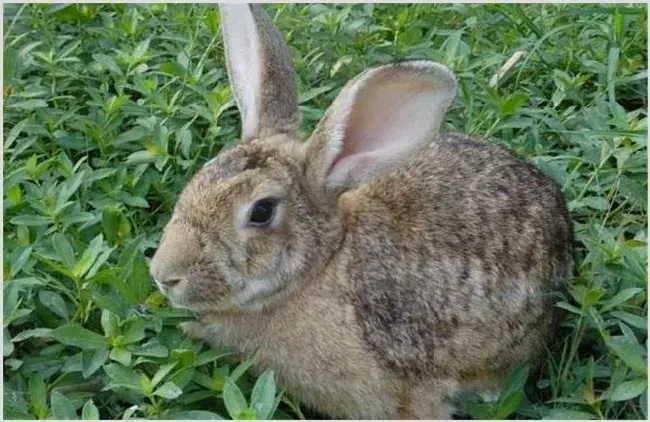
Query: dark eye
263	211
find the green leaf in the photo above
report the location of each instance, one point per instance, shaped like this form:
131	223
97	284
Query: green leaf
75	335
629	390
141	49
30	220
37	394
54	302
557	414
15	194
152	350
168	390
247	415
111	223
92	360
122	355
89	411
480	410
27	105
126	262
72	364
196	414
513	103
451	44
160	135
263	395
630	356
121	376
7	344
211	383
182	377
612	61
516	380
508	405
78	217
242	368
211	19
17	314
184	140
135	330
110	323
313	93
13	364
62	407
621	297
162	373
141	157
108	63
20	261
69	188
67	50
633	320
174	69
15	131
89	256
597	203
233	399
98	174
34	332
185	357
134	134
10	65
64	249
566	306
211	355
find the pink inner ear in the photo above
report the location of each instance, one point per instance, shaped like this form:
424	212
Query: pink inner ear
380	117
244	59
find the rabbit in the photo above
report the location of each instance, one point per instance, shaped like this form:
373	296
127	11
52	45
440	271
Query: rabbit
382	266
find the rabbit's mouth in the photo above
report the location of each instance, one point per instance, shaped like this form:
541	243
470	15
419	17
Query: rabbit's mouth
169	288
199	292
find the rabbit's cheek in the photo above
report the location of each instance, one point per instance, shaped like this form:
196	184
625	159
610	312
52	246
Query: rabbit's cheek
251	290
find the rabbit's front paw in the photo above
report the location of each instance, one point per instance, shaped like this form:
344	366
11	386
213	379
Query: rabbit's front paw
191	329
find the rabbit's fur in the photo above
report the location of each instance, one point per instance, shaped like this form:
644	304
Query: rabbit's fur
400	265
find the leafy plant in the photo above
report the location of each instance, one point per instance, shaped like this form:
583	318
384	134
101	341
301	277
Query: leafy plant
108	110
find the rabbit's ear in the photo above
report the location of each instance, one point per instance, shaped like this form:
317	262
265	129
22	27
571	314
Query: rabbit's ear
378	120
260	70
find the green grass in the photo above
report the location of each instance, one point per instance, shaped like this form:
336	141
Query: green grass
109	109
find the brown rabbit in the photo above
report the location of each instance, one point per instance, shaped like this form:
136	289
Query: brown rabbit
378	268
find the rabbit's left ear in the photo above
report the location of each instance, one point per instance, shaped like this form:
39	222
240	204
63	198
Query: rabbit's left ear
378	121
261	72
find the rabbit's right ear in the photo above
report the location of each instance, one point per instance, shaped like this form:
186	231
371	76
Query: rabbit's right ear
261	72
379	119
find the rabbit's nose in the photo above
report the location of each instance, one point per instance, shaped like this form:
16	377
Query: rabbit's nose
177	252
162	275
164	270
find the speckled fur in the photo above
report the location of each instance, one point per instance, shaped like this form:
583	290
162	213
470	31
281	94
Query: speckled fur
384	297
375	302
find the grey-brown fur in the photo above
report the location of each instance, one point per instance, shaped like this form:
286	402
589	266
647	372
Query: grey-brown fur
488	219
278	98
383	296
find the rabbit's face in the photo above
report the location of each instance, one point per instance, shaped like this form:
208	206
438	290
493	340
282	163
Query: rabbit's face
244	230
264	217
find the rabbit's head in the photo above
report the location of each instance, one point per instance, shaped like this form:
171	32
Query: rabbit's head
264	215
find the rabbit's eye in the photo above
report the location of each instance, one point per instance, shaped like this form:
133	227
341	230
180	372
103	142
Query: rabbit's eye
263	211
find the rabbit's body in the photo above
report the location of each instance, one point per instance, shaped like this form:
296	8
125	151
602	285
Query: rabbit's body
379	268
434	294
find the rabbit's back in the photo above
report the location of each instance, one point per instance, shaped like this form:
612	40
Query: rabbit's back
455	254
